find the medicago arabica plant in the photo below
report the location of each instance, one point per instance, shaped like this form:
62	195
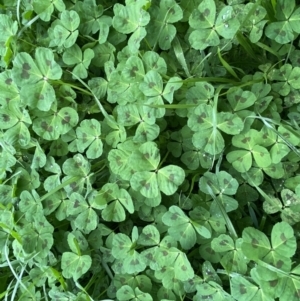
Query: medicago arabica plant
149	150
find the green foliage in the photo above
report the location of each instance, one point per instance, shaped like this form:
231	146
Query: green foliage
149	150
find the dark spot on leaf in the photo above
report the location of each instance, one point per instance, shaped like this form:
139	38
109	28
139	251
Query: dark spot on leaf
125	21
283	33
84	140
273	283
133	71
210	250
119	160
279	264
165	253
174	216
243	289
283	238
145	184
76	204
25	68
39	96
5	117
134	262
66	120
8	81
171	177
48	63
229	122
46	127
200	118
254	243
151	85
246	139
224	242
172	11
149	256
184	268
206	12
74	186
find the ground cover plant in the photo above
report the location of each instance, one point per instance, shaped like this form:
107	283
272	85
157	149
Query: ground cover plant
149	150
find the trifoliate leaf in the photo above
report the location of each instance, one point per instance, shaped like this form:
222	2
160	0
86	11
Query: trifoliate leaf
129	18
89	137
74	266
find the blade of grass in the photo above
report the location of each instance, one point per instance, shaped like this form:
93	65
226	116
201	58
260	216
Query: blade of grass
62	185
180	57
105	114
209	79
269	49
172	106
227	66
224	214
246	45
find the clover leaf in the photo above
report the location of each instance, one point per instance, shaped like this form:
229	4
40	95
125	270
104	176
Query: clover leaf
75	265
256	245
33	77
65	30
85	218
163	31
257	23
173	263
73	56
222	185
240	99
182	228
287	24
54	123
151	182
206	123
233	258
289	207
250	149
123	249
127	293
88	137
113	200
131	18
208	26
